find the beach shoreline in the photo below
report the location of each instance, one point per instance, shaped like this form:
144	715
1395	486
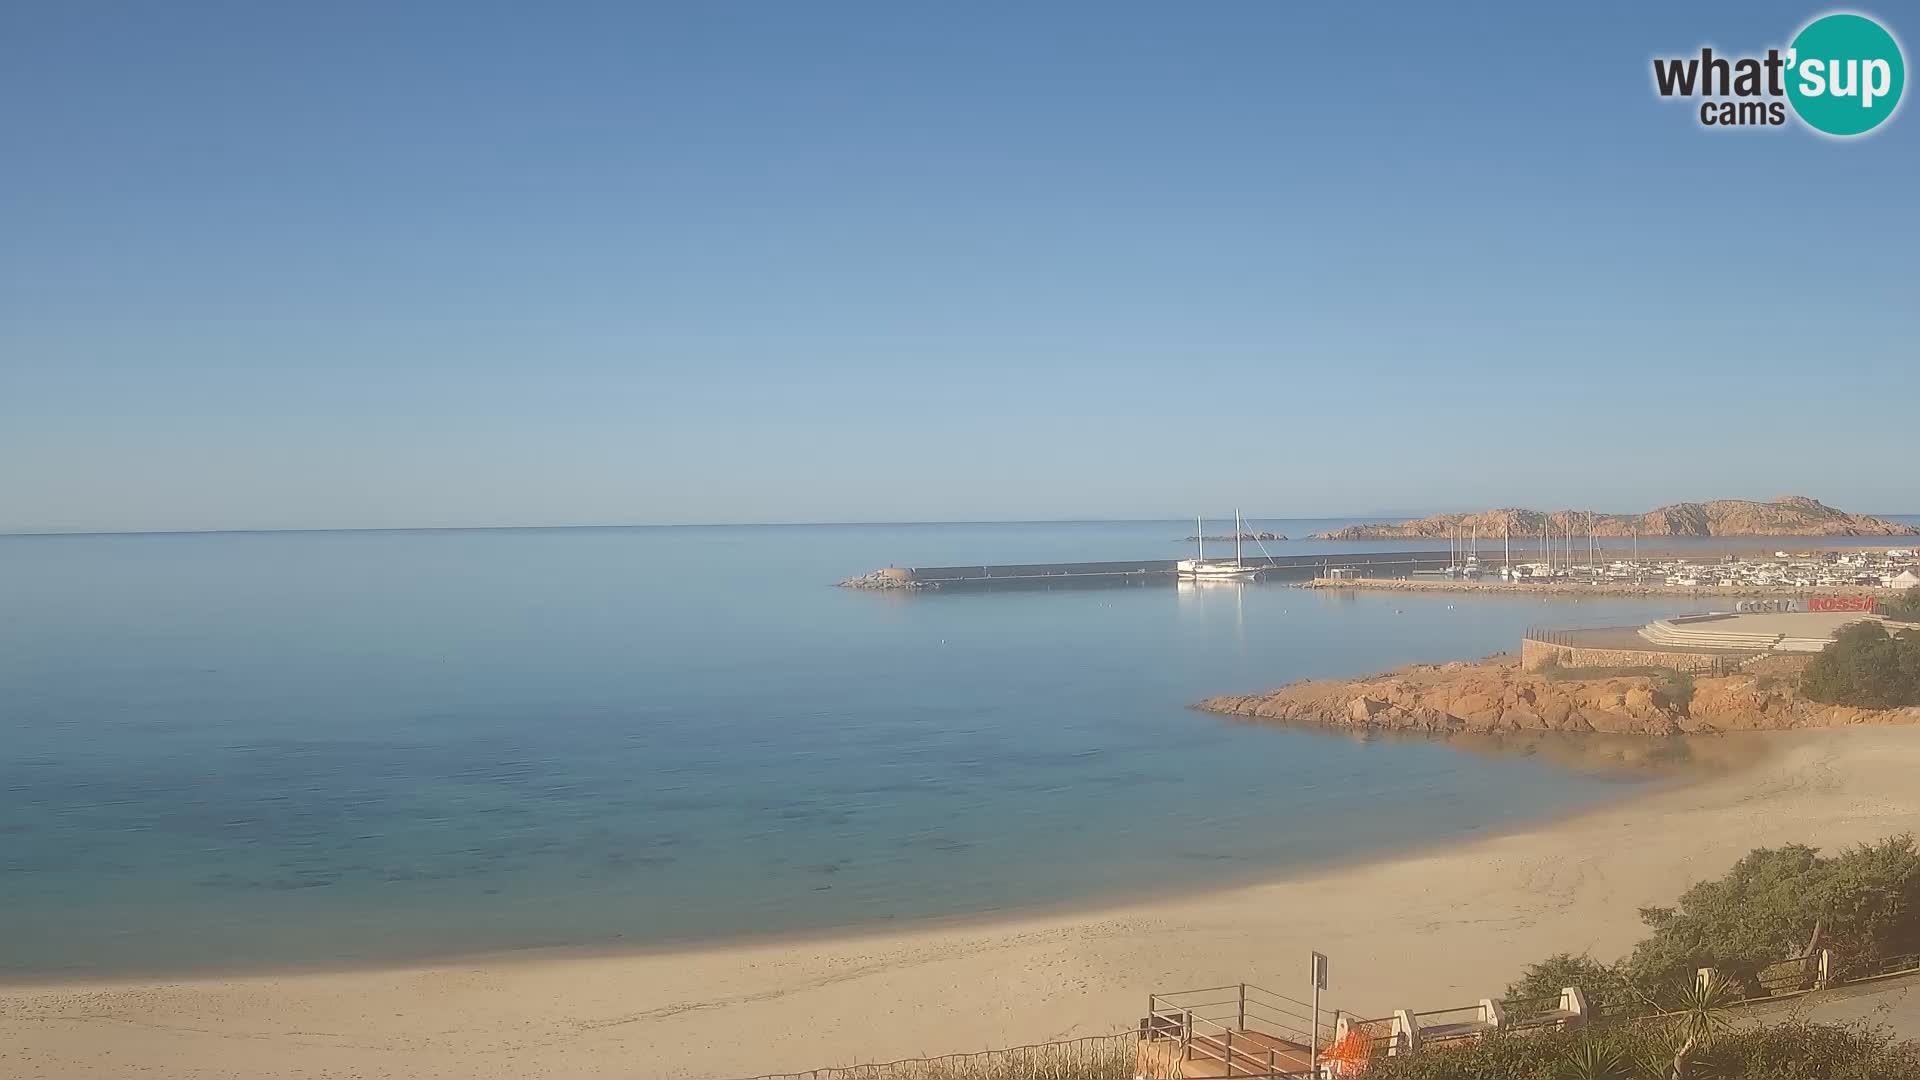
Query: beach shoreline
1418	928
1636	780
1705	758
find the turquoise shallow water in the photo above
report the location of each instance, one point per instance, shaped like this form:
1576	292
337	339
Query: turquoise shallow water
259	750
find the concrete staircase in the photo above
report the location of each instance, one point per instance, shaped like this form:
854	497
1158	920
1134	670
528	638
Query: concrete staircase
1698	632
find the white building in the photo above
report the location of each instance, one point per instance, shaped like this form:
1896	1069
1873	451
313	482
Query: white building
1905	579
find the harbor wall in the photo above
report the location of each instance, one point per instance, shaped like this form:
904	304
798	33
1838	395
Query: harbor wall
1535	655
1284	567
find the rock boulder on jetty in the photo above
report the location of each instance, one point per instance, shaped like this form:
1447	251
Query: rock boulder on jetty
1794	515
1495	696
892	577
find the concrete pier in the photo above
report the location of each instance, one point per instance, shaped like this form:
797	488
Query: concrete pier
1146	571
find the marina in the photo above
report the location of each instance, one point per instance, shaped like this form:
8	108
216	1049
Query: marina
1145	571
1783	573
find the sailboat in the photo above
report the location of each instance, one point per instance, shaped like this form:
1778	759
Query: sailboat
1200	569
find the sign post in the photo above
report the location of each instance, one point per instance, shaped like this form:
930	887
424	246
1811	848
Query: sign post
1313	1036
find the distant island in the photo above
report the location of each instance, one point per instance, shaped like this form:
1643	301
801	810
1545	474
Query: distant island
1793	515
1247	536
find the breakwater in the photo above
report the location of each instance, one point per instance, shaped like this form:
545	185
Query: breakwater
1143	571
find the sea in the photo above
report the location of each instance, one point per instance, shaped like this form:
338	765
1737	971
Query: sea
270	751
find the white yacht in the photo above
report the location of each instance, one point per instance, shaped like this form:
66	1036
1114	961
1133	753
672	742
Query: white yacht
1200	569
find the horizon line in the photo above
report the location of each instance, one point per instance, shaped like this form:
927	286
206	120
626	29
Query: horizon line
12	534
653	525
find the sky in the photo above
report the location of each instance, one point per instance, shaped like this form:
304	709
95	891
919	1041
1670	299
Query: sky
471	264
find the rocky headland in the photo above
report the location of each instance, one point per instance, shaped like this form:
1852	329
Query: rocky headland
1793	515
1494	696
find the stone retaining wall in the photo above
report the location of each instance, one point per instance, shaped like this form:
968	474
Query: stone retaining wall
1535	655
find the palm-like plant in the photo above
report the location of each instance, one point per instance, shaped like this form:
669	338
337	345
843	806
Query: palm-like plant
1592	1060
1700	1015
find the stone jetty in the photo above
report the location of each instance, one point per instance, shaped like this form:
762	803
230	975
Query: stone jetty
893	577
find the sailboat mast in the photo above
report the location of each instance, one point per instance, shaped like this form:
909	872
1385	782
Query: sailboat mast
1237	530
1200	537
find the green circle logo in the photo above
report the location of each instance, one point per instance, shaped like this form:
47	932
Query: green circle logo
1845	74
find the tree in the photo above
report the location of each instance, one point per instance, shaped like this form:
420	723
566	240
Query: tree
1867	667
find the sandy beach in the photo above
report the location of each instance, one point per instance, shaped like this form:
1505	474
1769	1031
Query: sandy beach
1426	930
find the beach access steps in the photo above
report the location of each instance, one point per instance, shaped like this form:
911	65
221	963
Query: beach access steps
1239	1030
1242	1031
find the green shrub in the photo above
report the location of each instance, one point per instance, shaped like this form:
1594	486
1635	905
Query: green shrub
1791	1050
1617	1051
1604	984
1905	607
1765	910
1867	667
1802	1050
1538	1056
1773	905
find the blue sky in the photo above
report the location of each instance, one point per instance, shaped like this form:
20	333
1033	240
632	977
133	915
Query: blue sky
474	264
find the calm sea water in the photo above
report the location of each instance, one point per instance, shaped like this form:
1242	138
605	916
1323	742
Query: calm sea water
253	750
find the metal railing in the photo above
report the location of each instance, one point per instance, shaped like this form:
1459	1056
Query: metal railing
1796	976
1528	1014
1247	1030
1570	638
1614	1012
1240	1054
1252	1033
1519	1010
1882	967
1379	1032
1244	1006
1441	1027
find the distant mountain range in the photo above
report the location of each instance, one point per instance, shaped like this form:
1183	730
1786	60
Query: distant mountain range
1794	515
